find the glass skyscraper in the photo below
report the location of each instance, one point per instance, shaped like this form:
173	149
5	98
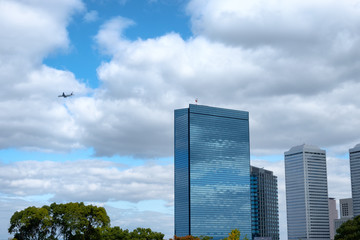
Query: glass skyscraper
306	193
355	178
212	172
264	204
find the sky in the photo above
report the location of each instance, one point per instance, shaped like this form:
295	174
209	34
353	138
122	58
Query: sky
293	65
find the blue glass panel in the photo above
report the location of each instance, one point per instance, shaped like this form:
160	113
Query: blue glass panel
212	159
219	172
264	204
219	112
181	134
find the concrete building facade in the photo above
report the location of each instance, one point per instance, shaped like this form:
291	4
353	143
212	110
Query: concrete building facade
346	212
346	208
307	193
333	214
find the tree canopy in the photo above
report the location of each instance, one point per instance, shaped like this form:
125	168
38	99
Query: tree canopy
116	233
189	237
349	230
235	235
66	221
31	223
145	234
77	221
71	221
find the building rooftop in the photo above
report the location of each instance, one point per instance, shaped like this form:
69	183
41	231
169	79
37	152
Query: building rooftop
216	111
303	147
356	148
260	170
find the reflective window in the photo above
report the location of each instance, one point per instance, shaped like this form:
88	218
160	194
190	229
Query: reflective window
213	161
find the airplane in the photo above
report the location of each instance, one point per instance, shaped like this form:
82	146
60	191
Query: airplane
65	95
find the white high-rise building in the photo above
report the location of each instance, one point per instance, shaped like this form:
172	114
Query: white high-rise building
346	208
306	193
355	178
333	215
346	212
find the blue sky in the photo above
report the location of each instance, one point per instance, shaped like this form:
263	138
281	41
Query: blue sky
150	20
293	65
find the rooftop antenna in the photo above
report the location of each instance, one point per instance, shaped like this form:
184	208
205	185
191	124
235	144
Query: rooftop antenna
196	101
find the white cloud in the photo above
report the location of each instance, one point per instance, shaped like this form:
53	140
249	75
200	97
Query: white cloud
91	16
113	126
132	218
339	182
294	94
297	24
87	180
291	98
110	36
32	29
34	118
98	182
292	65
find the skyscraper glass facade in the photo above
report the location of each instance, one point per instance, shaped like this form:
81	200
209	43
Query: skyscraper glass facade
212	172
264	204
255	217
306	193
182	178
355	178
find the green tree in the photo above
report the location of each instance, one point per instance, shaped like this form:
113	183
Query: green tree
145	234
115	233
72	221
77	221
31	223
189	237
349	230
235	235
66	221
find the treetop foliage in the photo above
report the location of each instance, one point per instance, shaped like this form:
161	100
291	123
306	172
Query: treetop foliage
349	230
235	235
76	221
71	221
189	237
